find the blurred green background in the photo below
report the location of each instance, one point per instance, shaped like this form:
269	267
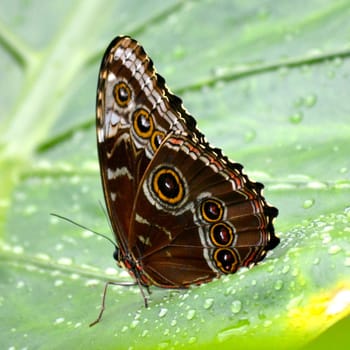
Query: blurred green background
267	81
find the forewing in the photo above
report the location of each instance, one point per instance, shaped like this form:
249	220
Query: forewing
133	117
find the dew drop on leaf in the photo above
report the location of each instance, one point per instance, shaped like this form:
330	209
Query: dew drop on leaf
308	203
236	306
208	303
163	312
190	314
278	285
267	323
310	100
296	117
192	340
337	62
316	261
334	249
134	324
285	269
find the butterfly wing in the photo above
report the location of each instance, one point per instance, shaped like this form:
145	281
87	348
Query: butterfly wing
133	116
181	212
197	216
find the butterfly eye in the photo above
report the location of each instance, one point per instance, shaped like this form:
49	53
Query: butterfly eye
221	234
143	123
168	186
122	94
211	210
156	140
226	260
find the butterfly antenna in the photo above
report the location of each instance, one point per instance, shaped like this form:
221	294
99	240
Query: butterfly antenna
84	227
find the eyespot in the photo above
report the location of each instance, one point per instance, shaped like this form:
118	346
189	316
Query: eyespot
226	260
143	123
221	234
168	186
212	210
122	94
156	139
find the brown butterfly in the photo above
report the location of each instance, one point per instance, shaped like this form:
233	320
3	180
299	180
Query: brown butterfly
181	212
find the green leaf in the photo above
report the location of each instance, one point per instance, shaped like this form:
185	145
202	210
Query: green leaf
268	83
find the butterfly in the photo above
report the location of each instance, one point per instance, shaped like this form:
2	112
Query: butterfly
182	212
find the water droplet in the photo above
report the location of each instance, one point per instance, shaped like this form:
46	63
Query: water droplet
192	340
326	238
59	320
236	306
17	249
328	228
144	332
166	332
208	303
310	100
190	314
308	203
230	291
253	283
134	323
296	117
295	272
270	268
278	285
173	323
30	209
58	283
65	261
92	282
338	61
316	261
334	249
347	261
285	269
163	312
20	284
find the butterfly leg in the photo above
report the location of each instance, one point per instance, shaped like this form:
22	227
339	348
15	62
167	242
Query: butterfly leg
103	303
145	298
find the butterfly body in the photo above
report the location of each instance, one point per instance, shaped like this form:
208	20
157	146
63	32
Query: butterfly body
182	213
